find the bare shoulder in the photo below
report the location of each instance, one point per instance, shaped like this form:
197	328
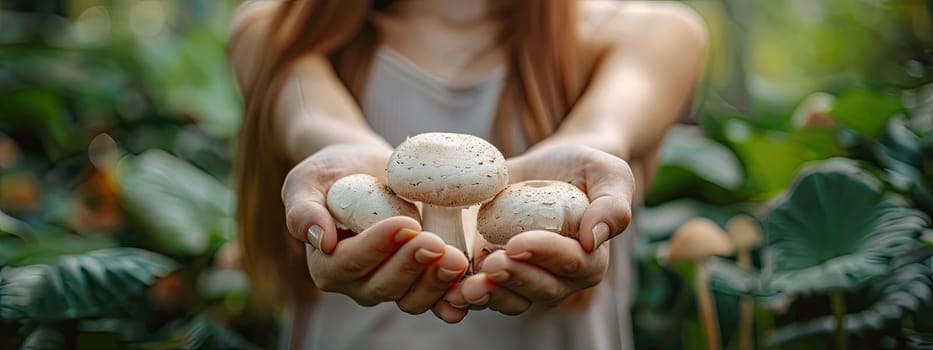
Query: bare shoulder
250	12
247	32
606	23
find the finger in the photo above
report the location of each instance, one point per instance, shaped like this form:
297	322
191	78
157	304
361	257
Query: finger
480	290
306	214
309	221
396	275
528	281
434	282
358	256
448	313
454	297
610	187
559	255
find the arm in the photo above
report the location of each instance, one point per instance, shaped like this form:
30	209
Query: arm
650	57
642	84
314	108
323	134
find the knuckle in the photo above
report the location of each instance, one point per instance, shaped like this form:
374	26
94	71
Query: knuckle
571	267
384	292
409	269
351	267
552	293
325	284
293	218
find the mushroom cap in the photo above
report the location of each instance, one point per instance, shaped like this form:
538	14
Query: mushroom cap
358	201
744	232
697	239
447	170
532	205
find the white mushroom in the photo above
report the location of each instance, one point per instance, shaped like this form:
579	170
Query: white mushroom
358	201
446	172
532	205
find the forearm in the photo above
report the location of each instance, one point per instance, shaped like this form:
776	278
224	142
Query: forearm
315	111
641	86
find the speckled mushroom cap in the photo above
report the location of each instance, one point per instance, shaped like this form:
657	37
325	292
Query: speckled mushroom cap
446	169
358	201
532	205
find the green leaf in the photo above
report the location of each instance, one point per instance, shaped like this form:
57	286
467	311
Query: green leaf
96	284
866	112
902	152
686	148
772	159
180	207
834	230
905	289
918	341
44	337
201	332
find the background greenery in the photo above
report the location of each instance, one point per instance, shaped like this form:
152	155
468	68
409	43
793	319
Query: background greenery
117	121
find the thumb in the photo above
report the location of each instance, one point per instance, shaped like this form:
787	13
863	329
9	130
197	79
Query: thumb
309	221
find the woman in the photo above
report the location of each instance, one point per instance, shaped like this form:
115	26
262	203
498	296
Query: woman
568	90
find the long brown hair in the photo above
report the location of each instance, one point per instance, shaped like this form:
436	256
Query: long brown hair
544	82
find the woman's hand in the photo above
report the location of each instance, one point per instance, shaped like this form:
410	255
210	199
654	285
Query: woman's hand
390	261
543	267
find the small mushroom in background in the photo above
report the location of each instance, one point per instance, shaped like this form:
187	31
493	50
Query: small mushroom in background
814	112
447	173
696	240
358	201
532	205
746	236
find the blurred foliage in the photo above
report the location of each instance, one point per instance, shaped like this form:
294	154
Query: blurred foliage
115	203
116	141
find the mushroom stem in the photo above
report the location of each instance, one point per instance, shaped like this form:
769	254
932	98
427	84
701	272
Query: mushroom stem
706	304
746	305
447	223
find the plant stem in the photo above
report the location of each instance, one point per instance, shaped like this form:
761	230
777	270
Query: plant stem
746	306
706	304
839	312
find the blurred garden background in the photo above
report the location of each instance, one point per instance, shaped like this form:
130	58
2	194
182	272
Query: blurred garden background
809	153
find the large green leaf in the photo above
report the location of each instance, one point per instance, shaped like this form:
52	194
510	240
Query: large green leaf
834	230
918	341
43	337
686	149
905	289
866	112
100	283
201	332
902	153
181	208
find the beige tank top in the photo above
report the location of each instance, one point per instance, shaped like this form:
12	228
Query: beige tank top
401	100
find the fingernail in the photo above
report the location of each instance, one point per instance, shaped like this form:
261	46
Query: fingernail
459	306
425	256
446	275
405	234
520	256
600	234
315	233
480	301
498	277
